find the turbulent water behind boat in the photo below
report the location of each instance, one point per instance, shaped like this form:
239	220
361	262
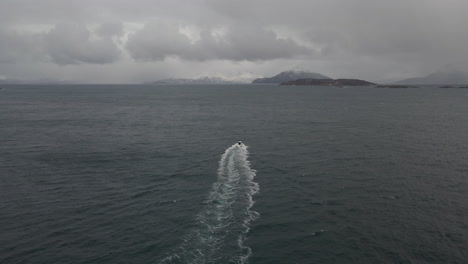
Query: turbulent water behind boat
222	226
132	174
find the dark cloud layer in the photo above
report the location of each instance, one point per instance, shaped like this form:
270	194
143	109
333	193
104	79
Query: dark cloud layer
156	42
18	47
71	44
361	38
63	44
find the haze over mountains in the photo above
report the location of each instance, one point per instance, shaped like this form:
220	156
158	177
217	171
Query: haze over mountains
284	76
207	80
447	75
291	75
38	82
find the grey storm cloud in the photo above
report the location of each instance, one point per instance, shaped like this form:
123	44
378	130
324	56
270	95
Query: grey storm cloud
379	39
63	44
71	44
156	42
110	29
17	47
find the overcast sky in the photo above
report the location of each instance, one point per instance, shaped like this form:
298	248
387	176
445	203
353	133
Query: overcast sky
122	41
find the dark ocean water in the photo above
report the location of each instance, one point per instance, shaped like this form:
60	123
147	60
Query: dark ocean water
142	174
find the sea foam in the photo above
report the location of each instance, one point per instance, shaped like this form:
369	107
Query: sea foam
222	226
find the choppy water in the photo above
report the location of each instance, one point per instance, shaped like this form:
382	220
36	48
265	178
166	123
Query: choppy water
137	174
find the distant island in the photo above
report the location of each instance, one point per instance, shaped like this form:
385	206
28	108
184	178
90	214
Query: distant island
200	81
394	86
445	76
449	86
287	76
329	82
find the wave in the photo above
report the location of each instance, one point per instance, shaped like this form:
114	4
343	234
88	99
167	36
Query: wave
222	226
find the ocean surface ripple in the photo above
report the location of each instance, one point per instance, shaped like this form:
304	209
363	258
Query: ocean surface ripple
119	174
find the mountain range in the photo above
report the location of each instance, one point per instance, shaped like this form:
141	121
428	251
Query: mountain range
443	76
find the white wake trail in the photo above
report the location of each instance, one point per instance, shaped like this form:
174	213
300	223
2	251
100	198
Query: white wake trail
222	226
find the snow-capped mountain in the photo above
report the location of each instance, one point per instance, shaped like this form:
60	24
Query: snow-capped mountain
287	76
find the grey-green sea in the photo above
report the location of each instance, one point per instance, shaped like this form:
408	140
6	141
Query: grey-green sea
142	174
